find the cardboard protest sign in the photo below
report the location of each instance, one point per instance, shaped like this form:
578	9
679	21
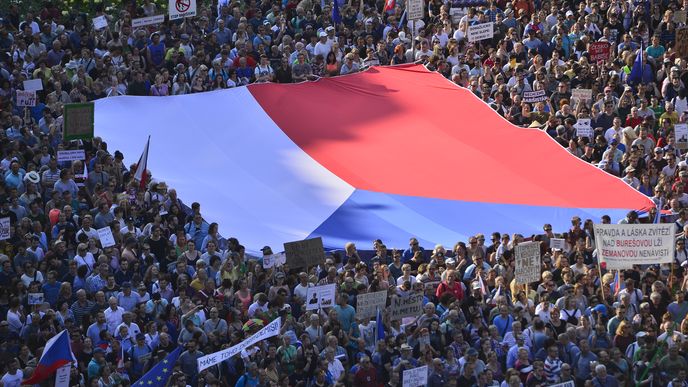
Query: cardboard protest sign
321	297
534	96
406	306
270	330
584	128
180	9
527	262
26	98
681	136
416	377
148	20
304	253
623	245
367	304
106	237
557	243
4	228
482	31
599	51
78	121
680	16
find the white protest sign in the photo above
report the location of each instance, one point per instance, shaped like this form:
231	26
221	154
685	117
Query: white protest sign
146	21
581	94
71	155
35	298
584	128
623	245
26	98
416	377
280	259
557	243
681	136
415	9
4	228
181	8
272	329
406	306
33	85
106	237
62	376
534	96
482	31
527	262
565	384
268	261
100	22
322	296
367	304
457	13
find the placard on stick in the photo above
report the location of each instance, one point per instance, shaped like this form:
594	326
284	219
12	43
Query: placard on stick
307	252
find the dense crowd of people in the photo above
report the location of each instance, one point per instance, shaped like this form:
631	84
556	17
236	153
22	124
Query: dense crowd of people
171	281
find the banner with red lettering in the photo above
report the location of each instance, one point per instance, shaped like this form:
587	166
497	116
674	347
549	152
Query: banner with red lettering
623	245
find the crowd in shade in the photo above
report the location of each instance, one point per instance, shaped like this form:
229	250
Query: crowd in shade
171	281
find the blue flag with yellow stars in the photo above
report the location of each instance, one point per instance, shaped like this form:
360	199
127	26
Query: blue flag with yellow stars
158	375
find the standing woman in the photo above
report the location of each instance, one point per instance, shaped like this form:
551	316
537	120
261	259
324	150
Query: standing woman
159	89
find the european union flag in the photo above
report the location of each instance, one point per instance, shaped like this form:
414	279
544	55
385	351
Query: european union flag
635	77
161	372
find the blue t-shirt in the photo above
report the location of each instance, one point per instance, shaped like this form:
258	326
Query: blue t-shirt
345	315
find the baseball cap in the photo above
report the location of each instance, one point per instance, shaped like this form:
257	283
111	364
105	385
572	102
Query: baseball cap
322	34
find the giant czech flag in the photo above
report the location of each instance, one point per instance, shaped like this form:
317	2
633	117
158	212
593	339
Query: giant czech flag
388	153
56	353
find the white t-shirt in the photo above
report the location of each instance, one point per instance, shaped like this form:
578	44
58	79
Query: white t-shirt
12	380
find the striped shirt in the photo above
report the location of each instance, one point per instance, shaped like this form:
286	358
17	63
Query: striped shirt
552	369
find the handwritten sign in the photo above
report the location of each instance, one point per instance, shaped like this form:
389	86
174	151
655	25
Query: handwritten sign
557	244
406	306
270	330
482	31
70	155
583	128
100	22
415	9
148	20
599	51
623	245
106	237
26	98
534	96
4	228
304	253
527	262
322	296
367	304
415	377
582	95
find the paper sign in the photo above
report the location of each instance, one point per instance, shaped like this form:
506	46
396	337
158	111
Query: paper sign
565	384
181	8
456	14
406	306
680	16
527	262
62	376
480	31
534	96
415	9
106	237
148	20
78	121
304	253
582	95
321	297
26	98
70	155
583	128
681	136
100	22
268	261
367	304
599	51
280	259
4	228
416	377
33	85
623	245
681	45
272	329
557	243
35	298
431	285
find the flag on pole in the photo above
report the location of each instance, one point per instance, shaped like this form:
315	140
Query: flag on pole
402	20
635	77
379	327
616	284
336	16
658	215
56	353
389	5
161	372
142	166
